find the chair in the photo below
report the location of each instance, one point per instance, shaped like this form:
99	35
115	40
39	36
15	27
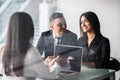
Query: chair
114	64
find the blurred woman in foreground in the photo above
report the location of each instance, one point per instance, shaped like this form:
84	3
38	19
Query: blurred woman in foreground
22	61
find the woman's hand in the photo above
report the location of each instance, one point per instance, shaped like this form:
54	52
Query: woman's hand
50	61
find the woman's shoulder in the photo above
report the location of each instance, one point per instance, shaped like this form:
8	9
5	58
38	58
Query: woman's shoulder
33	51
102	40
105	39
33	54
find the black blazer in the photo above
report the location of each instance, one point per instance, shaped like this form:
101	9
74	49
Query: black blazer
98	51
46	41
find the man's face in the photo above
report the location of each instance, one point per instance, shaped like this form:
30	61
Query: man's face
58	26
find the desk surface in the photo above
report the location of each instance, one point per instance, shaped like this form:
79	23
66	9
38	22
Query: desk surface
90	74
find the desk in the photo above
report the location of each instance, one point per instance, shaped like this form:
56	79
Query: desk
91	74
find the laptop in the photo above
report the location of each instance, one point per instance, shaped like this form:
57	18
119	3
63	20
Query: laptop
69	57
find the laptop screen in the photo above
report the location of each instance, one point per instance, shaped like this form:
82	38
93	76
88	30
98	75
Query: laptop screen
69	54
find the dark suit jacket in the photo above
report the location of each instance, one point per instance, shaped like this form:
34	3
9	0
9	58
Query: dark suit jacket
46	41
98	51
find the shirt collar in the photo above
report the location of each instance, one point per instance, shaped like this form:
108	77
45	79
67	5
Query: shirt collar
56	36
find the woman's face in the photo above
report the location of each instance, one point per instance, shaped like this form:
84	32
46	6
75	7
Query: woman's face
85	25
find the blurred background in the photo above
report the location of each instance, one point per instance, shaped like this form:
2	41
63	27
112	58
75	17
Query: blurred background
108	12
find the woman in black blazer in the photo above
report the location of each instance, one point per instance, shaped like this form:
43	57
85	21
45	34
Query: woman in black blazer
96	47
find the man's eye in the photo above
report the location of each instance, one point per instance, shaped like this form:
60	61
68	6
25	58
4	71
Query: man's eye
60	24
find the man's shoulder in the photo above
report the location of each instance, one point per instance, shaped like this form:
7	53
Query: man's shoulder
70	33
45	33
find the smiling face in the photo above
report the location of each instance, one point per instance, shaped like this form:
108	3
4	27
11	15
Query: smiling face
58	26
85	25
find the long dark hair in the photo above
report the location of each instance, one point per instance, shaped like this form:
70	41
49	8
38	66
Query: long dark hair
94	21
20	32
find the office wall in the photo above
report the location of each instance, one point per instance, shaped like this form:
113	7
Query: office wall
32	8
108	12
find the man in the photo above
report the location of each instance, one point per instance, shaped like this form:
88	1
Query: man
57	35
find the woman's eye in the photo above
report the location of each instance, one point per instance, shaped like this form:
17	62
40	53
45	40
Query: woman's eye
86	21
82	22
